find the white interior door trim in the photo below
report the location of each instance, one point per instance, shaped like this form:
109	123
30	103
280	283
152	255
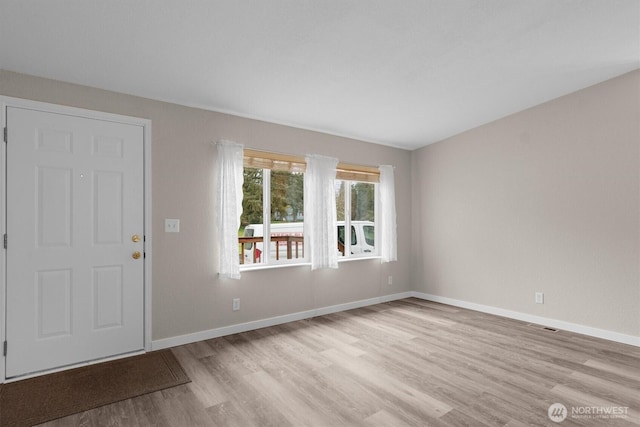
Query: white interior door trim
5	102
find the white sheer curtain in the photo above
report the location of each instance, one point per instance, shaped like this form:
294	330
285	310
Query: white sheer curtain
229	206
387	197
320	223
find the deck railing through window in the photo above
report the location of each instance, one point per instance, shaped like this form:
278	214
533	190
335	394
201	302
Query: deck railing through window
294	245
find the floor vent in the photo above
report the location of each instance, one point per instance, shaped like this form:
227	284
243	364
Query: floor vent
546	328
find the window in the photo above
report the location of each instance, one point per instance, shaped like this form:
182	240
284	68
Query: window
272	209
356	210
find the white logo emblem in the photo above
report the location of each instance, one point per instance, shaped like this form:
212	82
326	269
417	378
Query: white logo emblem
557	412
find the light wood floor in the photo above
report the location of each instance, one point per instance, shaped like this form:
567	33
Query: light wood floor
404	363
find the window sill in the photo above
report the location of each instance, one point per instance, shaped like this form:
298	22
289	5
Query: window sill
302	264
272	266
358	258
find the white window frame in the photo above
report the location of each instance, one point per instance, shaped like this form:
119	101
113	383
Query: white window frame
347	173
265	260
348	256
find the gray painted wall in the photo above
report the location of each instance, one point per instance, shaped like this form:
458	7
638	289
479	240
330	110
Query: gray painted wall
187	295
544	200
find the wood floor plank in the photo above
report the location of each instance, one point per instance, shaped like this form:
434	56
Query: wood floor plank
229	414
582	398
294	408
330	337
180	407
204	388
367	372
455	387
146	413
606	388
383	418
620	373
403	363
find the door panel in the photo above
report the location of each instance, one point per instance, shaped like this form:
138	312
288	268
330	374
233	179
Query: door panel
74	199
53	206
107	297
107	196
53	303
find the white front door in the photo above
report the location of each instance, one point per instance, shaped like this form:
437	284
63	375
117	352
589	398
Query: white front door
75	210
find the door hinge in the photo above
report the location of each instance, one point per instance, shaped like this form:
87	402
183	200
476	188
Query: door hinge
5	240
4	349
5	134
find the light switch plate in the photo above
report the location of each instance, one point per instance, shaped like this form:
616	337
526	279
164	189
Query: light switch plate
171	225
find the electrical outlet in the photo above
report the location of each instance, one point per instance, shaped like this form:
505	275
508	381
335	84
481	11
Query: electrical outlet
390	280
539	298
171	225
236	304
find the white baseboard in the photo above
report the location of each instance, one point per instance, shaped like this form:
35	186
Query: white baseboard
278	320
544	321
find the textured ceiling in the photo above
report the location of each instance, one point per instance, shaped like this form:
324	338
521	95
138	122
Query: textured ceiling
400	73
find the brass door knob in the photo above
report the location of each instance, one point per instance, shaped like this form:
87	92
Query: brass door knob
135	238
135	255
